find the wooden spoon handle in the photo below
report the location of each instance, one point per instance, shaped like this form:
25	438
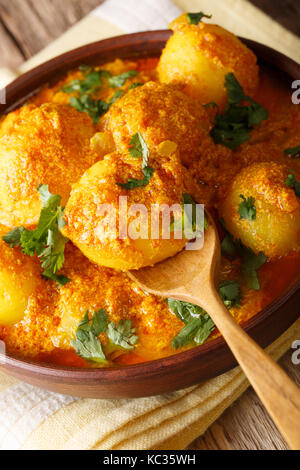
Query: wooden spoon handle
279	394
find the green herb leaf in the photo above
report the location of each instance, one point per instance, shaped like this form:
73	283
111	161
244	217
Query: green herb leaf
234	125
13	238
86	104
90	84
119	80
198	323
247	209
195	18
230	293
87	344
251	264
46	241
293	152
250	261
123	334
135	85
137	149
293	183
118	94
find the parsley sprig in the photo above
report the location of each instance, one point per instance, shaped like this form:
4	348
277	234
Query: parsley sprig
46	241
87	343
247	209
196	18
234	125
293	183
139	149
251	262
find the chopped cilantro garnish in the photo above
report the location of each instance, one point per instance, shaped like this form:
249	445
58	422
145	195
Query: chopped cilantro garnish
90	84
135	85
46	241
247	209
195	18
198	324
137	149
251	262
88	345
230	293
85	103
293	183
293	152
119	80
234	125
117	94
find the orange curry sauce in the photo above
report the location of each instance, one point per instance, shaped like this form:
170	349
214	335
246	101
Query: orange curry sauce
275	276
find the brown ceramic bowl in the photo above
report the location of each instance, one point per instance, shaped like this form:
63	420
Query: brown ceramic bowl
186	368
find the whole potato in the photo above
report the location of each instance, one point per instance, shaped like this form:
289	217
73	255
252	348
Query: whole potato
96	230
160	113
41	145
19	279
197	58
275	228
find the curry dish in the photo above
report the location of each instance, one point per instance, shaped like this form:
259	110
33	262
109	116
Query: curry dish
202	124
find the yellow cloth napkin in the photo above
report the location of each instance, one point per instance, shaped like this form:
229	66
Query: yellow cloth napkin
31	418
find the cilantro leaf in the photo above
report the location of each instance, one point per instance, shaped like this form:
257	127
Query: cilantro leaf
230	293
293	183
88	346
123	334
137	149
90	84
117	94
247	209
251	262
195	18
46	241
135	85
85	103
13	238
293	152
234	125
198	324
119	80
87	343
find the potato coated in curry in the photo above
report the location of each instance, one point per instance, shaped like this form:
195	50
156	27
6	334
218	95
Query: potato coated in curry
99	231
50	145
276	228
197	58
160	113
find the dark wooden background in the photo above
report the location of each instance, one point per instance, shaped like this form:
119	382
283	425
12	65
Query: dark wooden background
26	27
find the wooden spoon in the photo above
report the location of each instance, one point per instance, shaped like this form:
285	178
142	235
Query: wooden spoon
190	276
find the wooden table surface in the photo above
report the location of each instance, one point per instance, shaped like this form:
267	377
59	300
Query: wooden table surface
26	26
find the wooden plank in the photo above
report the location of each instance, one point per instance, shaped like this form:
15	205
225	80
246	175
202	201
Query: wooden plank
246	425
34	24
285	12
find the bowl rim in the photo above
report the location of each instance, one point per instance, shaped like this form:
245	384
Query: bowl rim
153	367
